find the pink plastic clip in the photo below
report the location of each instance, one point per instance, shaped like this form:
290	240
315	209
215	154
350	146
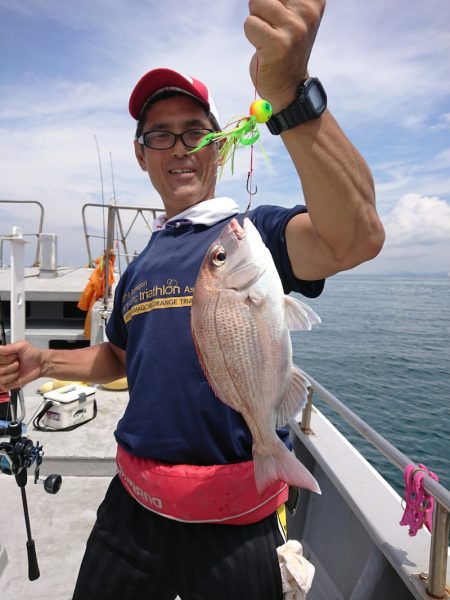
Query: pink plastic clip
419	504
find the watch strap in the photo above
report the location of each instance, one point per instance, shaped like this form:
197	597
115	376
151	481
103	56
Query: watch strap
288	118
296	113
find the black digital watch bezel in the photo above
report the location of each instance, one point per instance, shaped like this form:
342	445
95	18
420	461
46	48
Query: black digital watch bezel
301	109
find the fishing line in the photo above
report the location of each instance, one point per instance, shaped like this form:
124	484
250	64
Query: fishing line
238	133
250	172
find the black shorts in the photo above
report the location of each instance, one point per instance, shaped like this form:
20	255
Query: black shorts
133	553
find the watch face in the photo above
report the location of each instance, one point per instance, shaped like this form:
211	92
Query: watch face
316	98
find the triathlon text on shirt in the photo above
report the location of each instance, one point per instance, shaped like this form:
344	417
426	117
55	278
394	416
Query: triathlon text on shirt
142	299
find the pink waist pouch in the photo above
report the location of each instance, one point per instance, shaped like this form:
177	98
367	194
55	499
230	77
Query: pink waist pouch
224	494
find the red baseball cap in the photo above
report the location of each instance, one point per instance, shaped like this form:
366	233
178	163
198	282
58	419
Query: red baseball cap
158	80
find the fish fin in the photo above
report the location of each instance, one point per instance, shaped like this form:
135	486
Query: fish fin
257	298
299	315
281	465
295	398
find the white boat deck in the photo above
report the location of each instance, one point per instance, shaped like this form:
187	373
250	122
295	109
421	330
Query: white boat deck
67	285
60	524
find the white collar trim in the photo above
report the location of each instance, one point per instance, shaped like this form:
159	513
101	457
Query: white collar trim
208	212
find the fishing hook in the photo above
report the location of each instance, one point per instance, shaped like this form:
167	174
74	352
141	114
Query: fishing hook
250	192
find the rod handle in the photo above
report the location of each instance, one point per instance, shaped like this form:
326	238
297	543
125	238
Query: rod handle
33	567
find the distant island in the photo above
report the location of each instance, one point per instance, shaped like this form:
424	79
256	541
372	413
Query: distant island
355	273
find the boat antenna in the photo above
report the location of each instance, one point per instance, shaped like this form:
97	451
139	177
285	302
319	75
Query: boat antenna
112	177
117	220
103	191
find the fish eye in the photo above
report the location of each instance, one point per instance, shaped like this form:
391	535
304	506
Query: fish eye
218	257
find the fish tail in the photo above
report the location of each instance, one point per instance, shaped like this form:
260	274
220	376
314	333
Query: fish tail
281	465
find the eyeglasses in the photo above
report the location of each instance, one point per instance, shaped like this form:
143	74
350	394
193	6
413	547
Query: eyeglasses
163	140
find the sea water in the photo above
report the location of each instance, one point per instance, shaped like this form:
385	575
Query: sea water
383	348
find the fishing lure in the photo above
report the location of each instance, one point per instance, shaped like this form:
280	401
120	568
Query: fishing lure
238	133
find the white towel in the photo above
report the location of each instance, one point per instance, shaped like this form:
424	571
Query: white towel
296	571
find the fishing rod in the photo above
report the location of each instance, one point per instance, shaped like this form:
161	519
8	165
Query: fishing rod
18	455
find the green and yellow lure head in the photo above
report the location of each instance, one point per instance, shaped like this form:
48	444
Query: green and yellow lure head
238	133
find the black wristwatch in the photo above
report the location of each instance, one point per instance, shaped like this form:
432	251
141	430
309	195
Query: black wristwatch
310	103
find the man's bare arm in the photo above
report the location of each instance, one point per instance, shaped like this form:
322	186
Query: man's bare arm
342	228
21	363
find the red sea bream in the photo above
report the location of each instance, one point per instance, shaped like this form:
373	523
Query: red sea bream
240	324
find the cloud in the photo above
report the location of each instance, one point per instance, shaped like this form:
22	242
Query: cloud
418	220
417	237
443	122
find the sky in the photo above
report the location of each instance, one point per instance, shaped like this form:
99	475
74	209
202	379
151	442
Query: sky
67	70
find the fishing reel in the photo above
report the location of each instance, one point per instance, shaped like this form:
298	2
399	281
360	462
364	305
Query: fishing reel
16	457
19	454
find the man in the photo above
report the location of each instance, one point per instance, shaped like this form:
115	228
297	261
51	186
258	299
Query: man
176	442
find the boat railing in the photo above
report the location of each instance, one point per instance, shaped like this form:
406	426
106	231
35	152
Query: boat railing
35	234
437	572
117	232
